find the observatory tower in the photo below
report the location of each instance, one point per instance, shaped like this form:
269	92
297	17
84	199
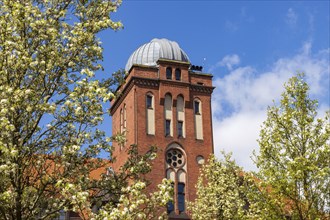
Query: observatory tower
166	102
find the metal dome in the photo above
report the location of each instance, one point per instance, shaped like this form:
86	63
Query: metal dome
149	53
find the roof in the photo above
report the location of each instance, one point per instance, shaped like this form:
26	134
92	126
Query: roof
149	53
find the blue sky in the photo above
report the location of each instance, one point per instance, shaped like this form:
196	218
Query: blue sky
251	48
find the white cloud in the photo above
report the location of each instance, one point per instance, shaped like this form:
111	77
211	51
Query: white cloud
291	17
241	98
228	61
238	133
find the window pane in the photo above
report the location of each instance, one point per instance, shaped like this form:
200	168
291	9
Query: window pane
181	203
180	187
149	101
167	127
168	73
196	107
121	121
181	196
180	128
178	74
170	207
125	117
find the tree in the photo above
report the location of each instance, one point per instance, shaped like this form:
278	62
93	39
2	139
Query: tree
293	180
117	79
220	191
294	157
134	203
126	191
50	107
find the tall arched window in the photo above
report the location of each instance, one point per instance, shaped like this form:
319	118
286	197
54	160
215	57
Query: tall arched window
150	113
124	124
121	126
198	119
177	74
176	167
121	121
168	73
180	117
168	115
124	118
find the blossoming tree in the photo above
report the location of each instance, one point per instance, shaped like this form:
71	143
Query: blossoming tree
293	180
220	191
294	157
50	107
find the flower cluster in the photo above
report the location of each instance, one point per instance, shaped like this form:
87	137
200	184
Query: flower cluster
136	203
50	102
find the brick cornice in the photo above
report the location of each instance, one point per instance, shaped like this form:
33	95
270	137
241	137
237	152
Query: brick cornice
202	89
146	82
200	74
174	83
154	83
135	80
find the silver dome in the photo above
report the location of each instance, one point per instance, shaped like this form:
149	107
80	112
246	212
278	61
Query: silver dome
149	53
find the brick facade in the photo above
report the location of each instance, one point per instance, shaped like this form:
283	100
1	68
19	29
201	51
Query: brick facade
145	79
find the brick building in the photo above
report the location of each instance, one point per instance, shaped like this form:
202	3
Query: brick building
166	102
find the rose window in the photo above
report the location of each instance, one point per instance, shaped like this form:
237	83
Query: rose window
175	158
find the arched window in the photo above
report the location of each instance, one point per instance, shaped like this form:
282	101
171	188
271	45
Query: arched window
170	174
176	166
150	113
200	160
124	125
177	74
168	115
125	118
198	119
121	121
197	107
180	117
168	73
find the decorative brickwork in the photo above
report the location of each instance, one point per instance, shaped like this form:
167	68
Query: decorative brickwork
143	80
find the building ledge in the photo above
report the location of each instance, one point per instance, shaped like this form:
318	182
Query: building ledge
174	216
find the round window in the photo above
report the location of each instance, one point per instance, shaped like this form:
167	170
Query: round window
175	158
200	160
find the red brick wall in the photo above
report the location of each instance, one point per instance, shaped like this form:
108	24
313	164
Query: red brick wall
200	78
136	121
121	153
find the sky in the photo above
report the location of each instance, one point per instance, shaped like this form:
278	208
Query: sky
250	47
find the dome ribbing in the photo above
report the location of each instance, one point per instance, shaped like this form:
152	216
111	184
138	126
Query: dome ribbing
149	53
